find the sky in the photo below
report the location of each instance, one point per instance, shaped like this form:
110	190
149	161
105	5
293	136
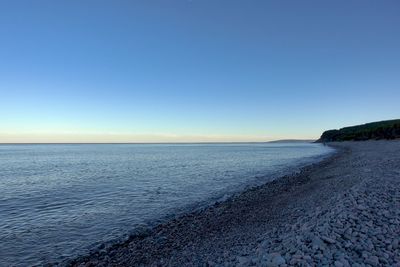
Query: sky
195	71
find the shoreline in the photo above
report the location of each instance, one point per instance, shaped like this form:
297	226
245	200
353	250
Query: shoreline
149	230
249	229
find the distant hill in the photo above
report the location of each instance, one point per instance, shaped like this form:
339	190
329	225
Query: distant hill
375	130
292	141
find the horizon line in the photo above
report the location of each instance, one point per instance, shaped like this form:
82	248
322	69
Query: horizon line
155	143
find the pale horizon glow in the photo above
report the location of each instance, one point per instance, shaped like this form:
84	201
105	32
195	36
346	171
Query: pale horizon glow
133	138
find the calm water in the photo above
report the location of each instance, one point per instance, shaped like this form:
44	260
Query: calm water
58	201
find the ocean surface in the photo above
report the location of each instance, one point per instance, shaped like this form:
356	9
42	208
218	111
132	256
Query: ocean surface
60	201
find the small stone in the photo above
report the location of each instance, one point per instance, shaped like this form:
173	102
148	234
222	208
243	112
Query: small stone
242	260
384	260
307	258
210	263
373	260
254	261
361	207
395	244
328	240
344	262
275	259
317	243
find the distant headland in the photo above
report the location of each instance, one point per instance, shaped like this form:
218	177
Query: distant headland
389	129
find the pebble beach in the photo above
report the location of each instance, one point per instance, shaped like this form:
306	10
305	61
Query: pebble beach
343	211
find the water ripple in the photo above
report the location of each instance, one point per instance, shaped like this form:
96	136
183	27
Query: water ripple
58	201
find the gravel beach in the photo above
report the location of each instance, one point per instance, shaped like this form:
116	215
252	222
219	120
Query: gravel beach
344	211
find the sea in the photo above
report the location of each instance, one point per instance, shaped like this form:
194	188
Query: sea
59	201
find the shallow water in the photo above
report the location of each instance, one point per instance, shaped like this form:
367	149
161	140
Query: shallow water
58	201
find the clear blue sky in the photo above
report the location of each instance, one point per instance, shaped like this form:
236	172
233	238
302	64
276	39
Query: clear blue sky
200	70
